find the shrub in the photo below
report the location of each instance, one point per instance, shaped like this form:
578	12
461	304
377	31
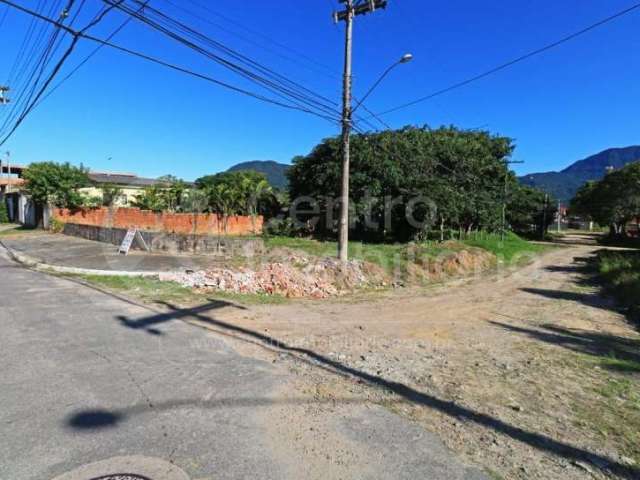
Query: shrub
4	213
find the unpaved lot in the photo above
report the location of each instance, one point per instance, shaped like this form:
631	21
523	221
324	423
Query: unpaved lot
518	372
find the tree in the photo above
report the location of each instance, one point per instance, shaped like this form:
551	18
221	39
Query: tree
151	198
613	201
237	192
55	183
529	210
110	194
446	178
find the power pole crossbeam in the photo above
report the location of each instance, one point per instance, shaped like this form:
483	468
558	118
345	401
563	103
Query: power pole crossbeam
353	9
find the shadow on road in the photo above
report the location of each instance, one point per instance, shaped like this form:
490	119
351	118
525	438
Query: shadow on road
582	341
536	440
146	323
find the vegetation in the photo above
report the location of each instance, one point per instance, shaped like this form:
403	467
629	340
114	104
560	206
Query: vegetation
151	290
620	272
413	183
613	201
17	230
110	194
4	213
56	184
510	250
392	256
241	192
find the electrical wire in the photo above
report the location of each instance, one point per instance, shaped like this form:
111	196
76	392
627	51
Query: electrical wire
271	84
82	34
514	61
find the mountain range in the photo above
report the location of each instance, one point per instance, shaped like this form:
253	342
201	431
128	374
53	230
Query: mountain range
274	171
564	184
561	185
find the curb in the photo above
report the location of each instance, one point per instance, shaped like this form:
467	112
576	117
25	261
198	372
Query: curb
35	264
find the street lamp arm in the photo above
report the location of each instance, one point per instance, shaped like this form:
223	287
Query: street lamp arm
405	59
373	87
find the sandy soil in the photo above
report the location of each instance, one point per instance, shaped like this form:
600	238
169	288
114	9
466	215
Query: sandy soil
503	367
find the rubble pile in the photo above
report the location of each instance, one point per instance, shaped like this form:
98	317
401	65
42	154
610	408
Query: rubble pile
316	279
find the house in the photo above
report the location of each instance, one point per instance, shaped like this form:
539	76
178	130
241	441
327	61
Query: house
130	185
19	206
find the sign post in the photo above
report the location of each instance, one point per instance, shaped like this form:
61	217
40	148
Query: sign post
132	234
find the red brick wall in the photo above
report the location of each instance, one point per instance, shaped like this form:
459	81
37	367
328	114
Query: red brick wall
186	223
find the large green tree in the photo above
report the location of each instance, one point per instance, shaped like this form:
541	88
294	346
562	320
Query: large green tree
56	183
613	201
445	178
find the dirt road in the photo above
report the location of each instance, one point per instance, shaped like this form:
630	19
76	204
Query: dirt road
513	370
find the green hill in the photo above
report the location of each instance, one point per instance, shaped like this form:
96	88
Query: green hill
563	185
274	171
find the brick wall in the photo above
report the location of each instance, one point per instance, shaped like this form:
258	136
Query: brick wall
184	223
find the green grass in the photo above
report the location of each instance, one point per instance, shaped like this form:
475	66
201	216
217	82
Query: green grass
152	290
512	250
389	256
612	411
620	273
394	256
619	365
17	230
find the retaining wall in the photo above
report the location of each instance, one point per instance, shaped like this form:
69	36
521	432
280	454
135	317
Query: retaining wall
171	242
181	223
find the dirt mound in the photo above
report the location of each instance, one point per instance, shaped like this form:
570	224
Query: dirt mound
299	277
467	261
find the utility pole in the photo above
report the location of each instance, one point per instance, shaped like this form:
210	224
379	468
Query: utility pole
353	8
544	215
3	91
505	195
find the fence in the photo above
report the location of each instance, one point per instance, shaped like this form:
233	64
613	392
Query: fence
180	223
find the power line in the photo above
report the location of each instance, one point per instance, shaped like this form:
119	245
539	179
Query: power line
326	70
274	85
81	34
515	60
58	66
87	58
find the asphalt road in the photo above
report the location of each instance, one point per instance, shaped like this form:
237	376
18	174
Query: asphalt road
87	378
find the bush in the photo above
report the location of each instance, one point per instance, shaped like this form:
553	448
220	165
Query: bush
56	226
4	213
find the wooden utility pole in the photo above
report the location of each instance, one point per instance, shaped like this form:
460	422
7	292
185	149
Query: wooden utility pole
505	196
353	8
544	215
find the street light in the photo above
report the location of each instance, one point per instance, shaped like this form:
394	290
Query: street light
406	58
347	113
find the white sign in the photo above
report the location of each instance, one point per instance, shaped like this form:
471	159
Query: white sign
132	234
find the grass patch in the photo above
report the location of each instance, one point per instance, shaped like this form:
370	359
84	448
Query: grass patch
152	290
18	230
393	256
620	274
611	409
512	250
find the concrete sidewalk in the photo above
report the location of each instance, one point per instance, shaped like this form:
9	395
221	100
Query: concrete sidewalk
65	251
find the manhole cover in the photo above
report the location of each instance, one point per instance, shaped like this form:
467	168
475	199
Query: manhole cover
115	468
121	476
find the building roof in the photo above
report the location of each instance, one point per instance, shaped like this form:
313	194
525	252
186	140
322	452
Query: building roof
124	179
15	169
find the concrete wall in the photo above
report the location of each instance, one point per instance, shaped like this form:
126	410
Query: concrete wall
179	223
171	242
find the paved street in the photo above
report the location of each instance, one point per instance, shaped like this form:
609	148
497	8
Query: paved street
87	377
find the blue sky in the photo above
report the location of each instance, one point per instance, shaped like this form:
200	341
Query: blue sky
119	113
